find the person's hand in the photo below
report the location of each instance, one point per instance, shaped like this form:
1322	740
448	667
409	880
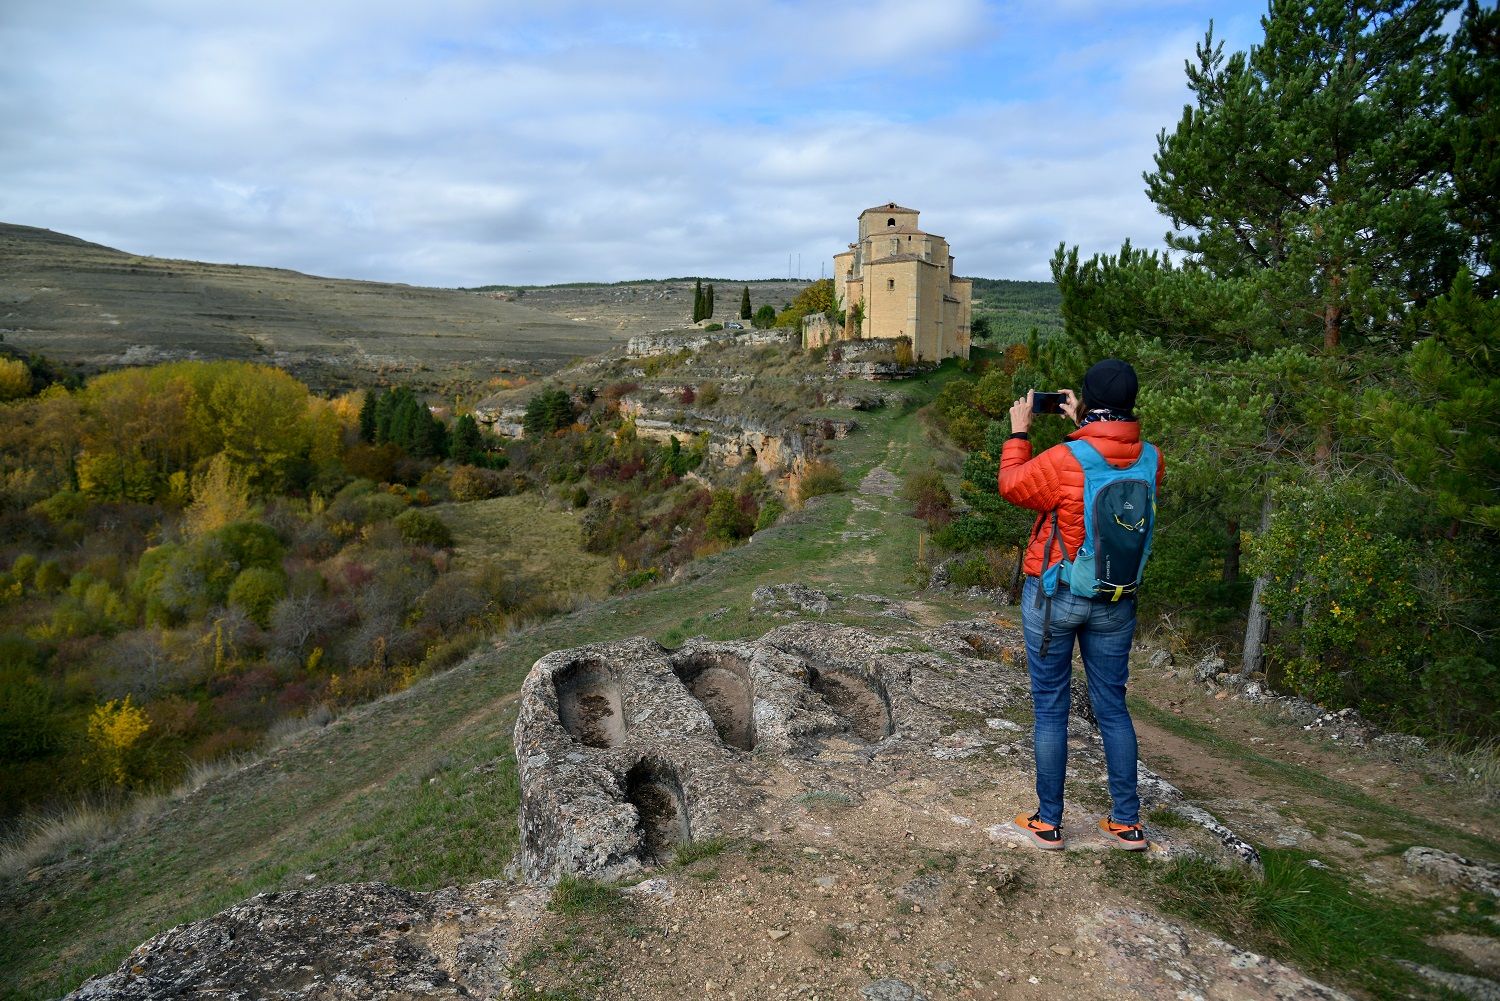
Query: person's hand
1020	414
1071	406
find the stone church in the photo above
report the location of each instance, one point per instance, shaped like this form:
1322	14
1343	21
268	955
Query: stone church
898	282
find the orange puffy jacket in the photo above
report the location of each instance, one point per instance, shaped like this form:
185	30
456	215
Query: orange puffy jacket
1053	481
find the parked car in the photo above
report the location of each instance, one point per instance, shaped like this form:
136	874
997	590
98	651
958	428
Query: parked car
734	326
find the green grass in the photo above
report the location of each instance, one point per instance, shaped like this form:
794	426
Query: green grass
519	532
697	851
823	799
574	896
1316	919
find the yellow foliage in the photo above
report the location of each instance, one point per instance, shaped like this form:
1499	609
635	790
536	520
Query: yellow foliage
179	492
115	730
347	407
15	379
221	496
114	477
170	417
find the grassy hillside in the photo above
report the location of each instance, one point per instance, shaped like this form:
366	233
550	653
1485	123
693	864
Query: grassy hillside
94	307
1012	308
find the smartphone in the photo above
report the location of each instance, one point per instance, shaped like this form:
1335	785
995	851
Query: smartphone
1047	403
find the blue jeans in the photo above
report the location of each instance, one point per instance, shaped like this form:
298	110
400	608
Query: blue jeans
1104	631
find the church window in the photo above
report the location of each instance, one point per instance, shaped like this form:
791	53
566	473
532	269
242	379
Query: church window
891	221
890	284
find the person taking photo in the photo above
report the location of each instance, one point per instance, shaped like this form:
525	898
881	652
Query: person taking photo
1095	498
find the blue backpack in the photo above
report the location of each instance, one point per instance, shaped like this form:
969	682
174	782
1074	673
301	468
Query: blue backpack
1119	513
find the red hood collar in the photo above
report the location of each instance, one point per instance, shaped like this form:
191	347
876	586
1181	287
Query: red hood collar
1124	432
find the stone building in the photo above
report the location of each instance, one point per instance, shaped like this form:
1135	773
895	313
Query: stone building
898	282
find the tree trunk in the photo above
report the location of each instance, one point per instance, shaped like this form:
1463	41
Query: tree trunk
1232	554
1332	314
1257	628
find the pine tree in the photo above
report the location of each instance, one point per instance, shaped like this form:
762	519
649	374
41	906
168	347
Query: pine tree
1473	82
367	415
466	445
1313	170
745	311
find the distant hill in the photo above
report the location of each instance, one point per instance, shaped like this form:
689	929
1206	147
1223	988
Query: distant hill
92	307
1013	307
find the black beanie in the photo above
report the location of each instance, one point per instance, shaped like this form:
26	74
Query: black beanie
1112	384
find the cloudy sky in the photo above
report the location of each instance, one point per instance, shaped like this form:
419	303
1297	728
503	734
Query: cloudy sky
458	142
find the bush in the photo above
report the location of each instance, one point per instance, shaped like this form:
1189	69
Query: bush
764	318
470	483
930	497
977	570
820	478
256	591
770	513
714	326
421	528
726	520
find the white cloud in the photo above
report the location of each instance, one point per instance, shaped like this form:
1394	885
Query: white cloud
464	143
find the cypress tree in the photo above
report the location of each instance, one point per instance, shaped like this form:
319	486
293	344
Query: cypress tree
745	311
698	313
708	302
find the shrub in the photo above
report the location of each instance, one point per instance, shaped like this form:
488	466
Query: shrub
49	577
904	354
976	570
65	505
470	483
930	498
726	521
115	730
256	591
820	478
421	528
28	726
764	318
714	326
708	394
770	513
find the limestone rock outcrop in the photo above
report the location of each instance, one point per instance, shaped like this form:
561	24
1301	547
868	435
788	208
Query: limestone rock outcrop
335	943
627	749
